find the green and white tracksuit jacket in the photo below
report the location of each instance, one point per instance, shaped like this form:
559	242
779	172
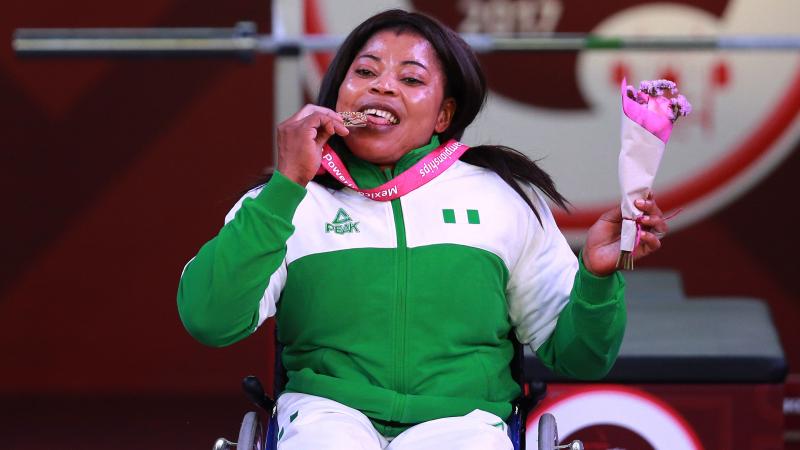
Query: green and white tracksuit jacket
403	309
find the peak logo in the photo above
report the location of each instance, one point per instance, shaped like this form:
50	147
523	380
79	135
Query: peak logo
342	224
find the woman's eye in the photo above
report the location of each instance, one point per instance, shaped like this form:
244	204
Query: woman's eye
364	72
412	81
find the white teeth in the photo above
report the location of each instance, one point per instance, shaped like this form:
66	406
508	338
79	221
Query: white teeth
381	113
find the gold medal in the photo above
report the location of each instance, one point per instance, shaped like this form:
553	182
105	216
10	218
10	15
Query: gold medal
353	118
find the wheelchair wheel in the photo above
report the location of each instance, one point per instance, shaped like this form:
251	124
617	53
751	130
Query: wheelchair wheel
251	434
548	433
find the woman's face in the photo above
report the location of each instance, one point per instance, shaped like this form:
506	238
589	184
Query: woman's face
397	80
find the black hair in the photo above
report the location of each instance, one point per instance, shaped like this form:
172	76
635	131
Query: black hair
465	83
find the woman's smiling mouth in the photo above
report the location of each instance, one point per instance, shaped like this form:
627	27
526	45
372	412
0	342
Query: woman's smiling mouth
377	116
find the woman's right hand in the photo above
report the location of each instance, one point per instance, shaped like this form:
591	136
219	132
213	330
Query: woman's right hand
300	141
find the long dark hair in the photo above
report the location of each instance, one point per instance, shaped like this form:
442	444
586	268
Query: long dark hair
465	83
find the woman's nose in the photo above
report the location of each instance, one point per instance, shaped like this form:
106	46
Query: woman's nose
383	85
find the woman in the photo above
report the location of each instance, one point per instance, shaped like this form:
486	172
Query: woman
395	315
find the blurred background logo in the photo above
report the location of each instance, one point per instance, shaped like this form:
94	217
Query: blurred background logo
563	107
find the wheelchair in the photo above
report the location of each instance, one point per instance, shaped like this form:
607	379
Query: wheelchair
259	429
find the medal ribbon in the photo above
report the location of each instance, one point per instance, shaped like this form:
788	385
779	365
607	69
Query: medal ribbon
426	169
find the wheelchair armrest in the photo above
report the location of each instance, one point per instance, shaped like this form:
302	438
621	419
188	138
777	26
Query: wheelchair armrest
255	393
532	393
537	390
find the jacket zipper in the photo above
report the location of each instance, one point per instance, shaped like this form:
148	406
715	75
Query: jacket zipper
401	267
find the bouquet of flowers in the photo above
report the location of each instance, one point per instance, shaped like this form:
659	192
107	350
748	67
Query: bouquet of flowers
648	115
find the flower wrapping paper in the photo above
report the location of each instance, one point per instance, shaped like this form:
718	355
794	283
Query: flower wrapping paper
648	117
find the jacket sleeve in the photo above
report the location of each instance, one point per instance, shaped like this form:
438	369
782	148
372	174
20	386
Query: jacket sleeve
589	331
233	283
573	320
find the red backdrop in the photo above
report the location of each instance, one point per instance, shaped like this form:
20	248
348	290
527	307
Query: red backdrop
114	173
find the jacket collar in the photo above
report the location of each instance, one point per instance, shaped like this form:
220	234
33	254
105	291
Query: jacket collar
368	176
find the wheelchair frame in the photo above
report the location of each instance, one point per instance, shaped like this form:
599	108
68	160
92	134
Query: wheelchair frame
260	433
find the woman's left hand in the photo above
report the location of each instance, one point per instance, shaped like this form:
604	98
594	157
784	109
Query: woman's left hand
602	241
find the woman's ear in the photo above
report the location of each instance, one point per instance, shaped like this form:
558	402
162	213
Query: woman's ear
445	114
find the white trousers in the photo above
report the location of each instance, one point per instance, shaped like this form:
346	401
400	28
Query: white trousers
308	422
